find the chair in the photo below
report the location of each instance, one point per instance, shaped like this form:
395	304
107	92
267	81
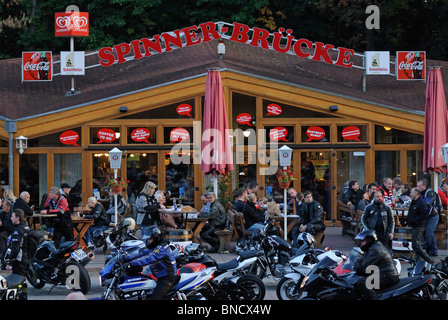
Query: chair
239	225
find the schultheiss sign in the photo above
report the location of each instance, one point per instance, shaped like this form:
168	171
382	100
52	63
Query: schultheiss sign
241	33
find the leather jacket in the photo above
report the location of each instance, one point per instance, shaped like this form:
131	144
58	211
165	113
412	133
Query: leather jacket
418	212
375	211
377	255
311	214
160	260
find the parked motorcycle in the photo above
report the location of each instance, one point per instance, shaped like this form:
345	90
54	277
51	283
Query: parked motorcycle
60	266
323	283
301	265
13	287
124	283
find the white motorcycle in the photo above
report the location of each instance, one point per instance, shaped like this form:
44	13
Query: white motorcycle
13	287
301	265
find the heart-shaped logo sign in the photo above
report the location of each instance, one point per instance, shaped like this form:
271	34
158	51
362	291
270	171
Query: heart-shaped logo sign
79	22
63	22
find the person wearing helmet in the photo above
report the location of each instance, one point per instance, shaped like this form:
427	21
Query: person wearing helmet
160	258
374	254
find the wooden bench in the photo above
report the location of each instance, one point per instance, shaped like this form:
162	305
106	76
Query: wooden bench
238	225
224	237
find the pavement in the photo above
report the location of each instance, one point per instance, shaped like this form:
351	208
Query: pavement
333	239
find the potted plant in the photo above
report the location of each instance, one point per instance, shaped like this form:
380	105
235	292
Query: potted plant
116	184
284	177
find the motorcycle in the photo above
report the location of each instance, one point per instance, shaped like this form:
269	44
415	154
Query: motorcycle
323	283
230	280
301	265
60	266
13	287
124	283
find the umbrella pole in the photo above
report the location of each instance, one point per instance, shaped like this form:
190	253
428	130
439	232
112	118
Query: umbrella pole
436	182
215	186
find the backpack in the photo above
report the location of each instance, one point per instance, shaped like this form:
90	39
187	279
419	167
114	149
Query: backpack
31	241
434	203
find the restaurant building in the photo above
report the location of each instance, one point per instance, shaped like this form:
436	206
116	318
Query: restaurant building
338	131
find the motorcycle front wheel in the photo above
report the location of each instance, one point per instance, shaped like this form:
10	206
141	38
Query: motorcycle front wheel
33	279
287	289
249	287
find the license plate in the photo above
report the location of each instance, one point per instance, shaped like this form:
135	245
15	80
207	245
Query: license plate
79	255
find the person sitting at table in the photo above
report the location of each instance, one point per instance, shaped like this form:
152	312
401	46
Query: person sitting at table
311	215
63	226
147	209
217	219
205	204
23	203
121	206
167	220
253	217
239	196
297	198
99	215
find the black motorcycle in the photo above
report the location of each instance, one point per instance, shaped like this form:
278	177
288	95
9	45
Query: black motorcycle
323	283
60	266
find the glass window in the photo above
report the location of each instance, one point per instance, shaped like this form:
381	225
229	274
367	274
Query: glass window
243	111
68	138
313	134
272	109
350	166
387	135
387	164
141	167
33	177
105	135
179	180
4	169
414	165
179	110
68	169
352	133
101	173
141	135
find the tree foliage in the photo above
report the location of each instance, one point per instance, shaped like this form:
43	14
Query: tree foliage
27	25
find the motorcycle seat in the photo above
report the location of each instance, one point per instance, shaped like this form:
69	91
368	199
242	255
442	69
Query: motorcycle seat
66	244
227	265
14	280
251	253
401	283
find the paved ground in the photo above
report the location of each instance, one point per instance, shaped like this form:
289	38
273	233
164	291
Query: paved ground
333	239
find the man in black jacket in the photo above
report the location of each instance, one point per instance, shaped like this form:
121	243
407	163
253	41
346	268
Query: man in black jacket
378	217
5	225
312	215
375	254
22	203
417	218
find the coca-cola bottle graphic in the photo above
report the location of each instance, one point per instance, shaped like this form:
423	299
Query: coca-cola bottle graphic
43	72
417	70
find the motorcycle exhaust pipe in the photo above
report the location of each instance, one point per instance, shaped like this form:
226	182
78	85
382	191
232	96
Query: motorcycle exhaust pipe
91	255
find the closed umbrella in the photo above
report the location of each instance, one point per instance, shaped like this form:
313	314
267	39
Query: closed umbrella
436	125
216	158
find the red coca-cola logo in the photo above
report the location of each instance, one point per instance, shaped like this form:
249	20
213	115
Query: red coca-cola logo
315	133
351	133
140	135
278	134
37	66
274	110
69	137
411	65
106	135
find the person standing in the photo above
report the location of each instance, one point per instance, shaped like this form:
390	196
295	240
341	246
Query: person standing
378	217
20	260
147	209
6	226
417	218
367	197
63	226
397	184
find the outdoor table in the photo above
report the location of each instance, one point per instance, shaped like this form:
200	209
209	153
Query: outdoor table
196	225
183	212
80	227
38	216
291	219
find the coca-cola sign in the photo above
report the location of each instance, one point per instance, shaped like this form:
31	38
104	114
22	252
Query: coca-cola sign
71	24
411	65
37	66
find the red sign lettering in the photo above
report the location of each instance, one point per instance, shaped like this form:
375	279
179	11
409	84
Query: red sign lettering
140	134
351	133
278	134
315	133
274	110
179	135
106	135
184	109
244	118
69	137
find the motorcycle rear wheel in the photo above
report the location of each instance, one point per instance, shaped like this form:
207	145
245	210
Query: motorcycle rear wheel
250	287
34	280
84	278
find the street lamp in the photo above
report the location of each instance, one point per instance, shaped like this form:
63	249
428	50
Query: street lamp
21	143
445	152
115	163
284	157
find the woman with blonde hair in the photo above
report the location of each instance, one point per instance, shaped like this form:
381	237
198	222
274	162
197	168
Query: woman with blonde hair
8	194
147	209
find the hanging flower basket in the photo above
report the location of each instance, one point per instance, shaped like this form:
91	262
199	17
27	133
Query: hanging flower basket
285	177
117	184
118	189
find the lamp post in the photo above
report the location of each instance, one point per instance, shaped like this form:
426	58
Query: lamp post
284	157
115	163
21	143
